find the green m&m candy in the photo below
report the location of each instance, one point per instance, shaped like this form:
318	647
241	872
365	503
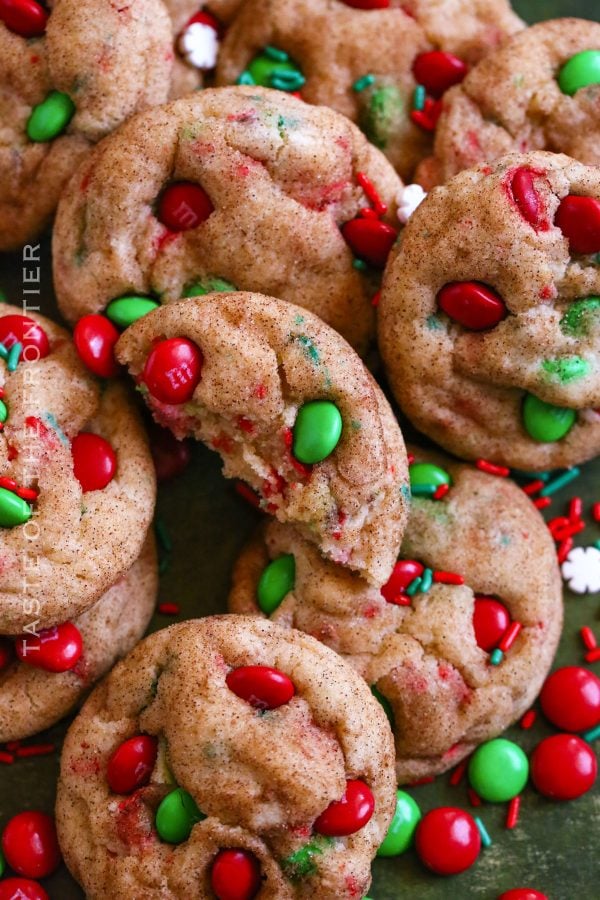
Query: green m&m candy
13	510
176	816
208	285
580	71
276	581
544	422
124	311
50	118
580	317
273	68
399	837
498	770
387	706
427	473
317	430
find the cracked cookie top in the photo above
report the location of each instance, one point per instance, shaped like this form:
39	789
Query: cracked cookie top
291	409
233	188
68	77
489	321
472	565
218	752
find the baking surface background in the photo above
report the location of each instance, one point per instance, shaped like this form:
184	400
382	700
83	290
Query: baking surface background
553	847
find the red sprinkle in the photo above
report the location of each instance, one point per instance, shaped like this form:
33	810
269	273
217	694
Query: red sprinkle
510	637
9	483
533	487
474	798
427	118
246	492
29	494
588	637
593	655
528	720
441	491
169	609
492	469
512	814
437	71
575	509
6	759
564	549
542	502
371	193
596	512
560	533
376	299
458	774
35	750
447	578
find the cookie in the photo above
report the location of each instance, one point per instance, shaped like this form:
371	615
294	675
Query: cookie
539	91
488	322
69	74
33	696
74	506
238	187
249	737
366	59
292	410
425	641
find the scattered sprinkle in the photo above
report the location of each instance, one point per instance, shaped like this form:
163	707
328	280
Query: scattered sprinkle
169	609
512	815
496	657
364	82
441	577
510	636
491	468
588	637
528	719
485	838
560	482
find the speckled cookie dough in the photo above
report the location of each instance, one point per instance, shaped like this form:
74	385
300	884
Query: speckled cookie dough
238	187
540	91
33	696
367	63
292	410
73	516
425	646
70	74
489	321
251	735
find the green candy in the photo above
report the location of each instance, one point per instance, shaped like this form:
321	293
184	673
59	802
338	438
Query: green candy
208	286
276	581
3	411
126	310
317	431
302	862
427	474
580	71
387	706
281	73
383	115
50	118
13	510
580	316
2	864
176	816
546	423
565	369
498	770
400	834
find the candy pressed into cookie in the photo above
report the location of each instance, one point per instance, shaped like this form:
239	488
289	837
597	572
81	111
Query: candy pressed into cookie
71	71
292	410
77	483
226	754
234	188
489	321
458	642
539	91
385	65
42	678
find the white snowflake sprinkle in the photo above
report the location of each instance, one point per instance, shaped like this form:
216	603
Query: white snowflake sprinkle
199	45
581	570
408	198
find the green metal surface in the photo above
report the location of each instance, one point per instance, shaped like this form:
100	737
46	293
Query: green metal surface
553	847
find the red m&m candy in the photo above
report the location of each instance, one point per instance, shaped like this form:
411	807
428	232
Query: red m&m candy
570	699
23	330
579	220
95	338
24	17
261	686
235	875
370	239
56	649
405	571
437	71
448	840
563	767
21	889
131	764
30	844
348	815
173	370
522	894
94	461
184	205
472	304
490	620
526	197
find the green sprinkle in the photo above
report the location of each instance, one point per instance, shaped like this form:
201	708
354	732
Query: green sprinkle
423	490
291	81
566	478
276	53
13	356
414	586
580	316
311	351
163	565
566	369
485	838
50	118
361	83
3	411
359	264
3	352
163	536
496	657
419	97
245	78
426	581
387	706
594	733
597	545
434	323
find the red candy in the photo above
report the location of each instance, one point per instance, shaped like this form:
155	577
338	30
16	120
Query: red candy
171	457
579	220
173	370
94	461
448	840
490	620
184	205
367	4
24	17
235	875
472	304
131	764
437	71
30	845
7	653
522	894
21	889
370	240
261	686
405	571
95	338
204	18
570	699
56	649
348	815
25	331
527	198
563	767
